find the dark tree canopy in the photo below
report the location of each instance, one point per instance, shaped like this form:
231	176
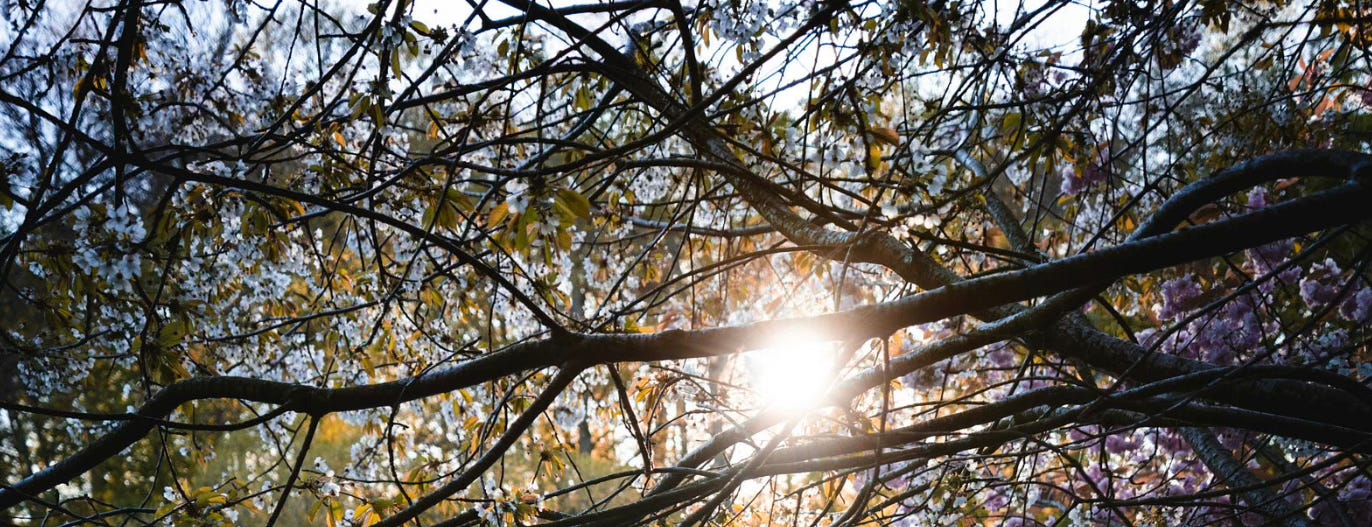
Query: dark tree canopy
685	263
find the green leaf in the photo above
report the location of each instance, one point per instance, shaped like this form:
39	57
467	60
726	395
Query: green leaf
575	202
171	334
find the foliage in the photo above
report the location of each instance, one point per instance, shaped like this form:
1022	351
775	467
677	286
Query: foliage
657	263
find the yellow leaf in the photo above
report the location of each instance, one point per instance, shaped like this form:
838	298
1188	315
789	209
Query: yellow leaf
202	495
298	207
361	511
498	214
874	162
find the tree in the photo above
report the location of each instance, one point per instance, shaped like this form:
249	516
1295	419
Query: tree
730	263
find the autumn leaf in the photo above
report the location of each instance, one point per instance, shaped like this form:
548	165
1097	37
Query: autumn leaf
886	135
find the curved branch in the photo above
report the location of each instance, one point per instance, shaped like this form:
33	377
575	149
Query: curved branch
1335	207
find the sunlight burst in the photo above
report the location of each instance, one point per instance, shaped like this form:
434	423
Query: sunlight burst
793	373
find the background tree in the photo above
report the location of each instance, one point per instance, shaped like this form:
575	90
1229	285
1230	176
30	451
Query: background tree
642	262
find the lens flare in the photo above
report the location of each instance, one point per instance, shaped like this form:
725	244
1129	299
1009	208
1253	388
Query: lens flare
793	373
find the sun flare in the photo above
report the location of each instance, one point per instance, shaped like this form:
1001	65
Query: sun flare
793	373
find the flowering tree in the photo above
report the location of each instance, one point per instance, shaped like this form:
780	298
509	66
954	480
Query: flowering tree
659	263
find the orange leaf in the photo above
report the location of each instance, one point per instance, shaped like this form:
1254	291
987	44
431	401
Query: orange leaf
886	135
